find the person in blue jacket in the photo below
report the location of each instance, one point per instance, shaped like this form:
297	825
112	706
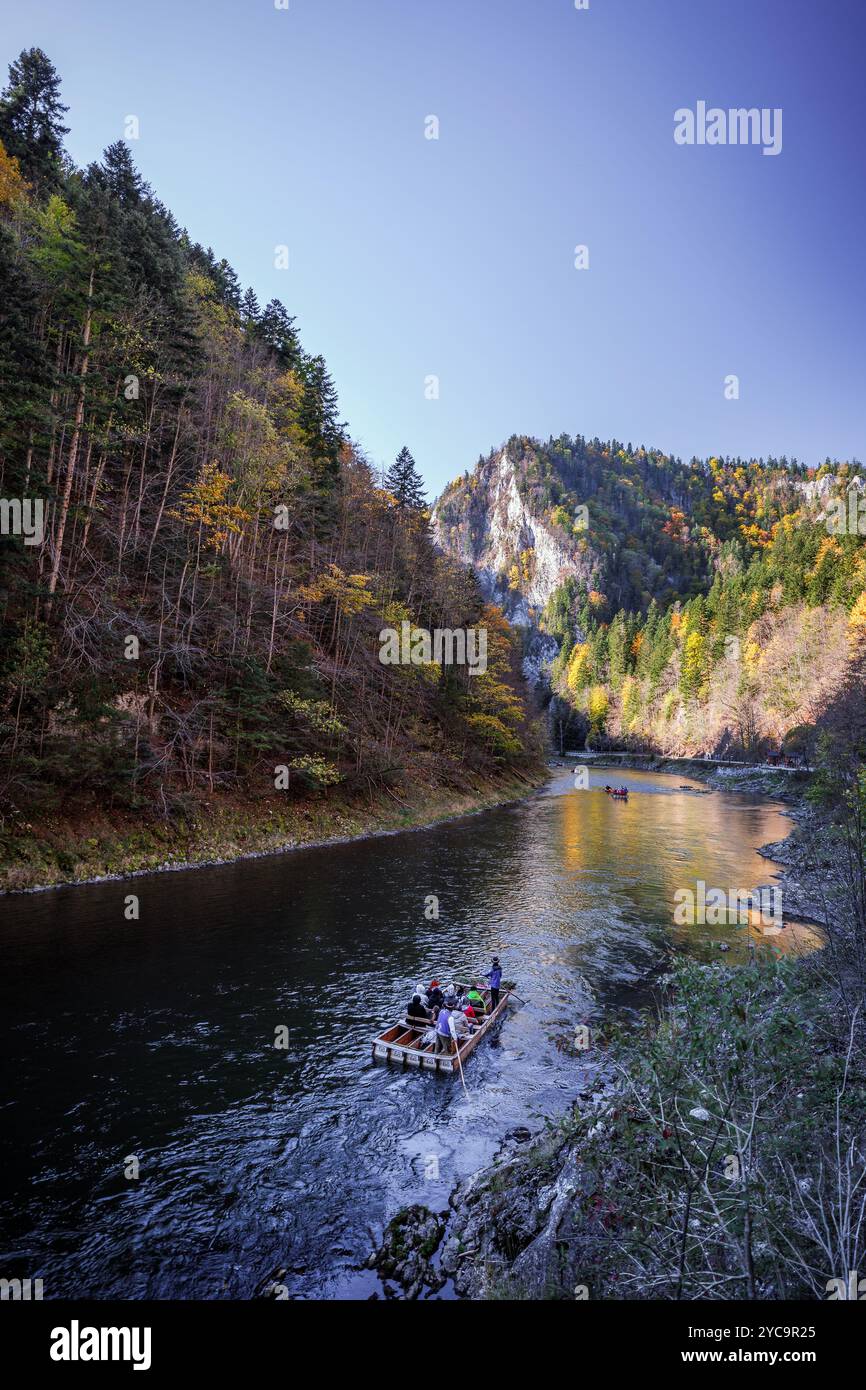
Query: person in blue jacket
443	1030
495	977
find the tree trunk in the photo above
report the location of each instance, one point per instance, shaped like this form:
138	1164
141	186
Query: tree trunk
73	450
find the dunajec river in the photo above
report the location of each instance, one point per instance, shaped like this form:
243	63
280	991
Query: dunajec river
155	1038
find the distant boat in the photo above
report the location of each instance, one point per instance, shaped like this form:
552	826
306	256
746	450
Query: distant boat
620	796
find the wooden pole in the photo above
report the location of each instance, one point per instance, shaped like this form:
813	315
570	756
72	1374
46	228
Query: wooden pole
457	1050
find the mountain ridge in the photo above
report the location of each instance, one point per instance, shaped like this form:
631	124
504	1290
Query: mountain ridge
646	584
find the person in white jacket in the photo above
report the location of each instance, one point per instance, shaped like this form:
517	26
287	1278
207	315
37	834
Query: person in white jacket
460	1025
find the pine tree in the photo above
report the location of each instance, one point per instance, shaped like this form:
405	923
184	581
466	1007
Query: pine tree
121	176
617	650
405	483
146	249
318	415
250	311
277	328
25	372
228	283
30	117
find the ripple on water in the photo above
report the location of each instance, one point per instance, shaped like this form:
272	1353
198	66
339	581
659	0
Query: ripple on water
254	1158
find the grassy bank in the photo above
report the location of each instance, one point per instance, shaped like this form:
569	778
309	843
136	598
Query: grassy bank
97	844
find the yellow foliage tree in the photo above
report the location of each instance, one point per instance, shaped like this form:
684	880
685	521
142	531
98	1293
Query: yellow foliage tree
751	656
494	707
599	704
694	660
577	668
207	506
13	185
350	592
857	627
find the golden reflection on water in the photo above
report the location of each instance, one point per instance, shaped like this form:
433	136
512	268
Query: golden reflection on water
789	939
162	1033
669	836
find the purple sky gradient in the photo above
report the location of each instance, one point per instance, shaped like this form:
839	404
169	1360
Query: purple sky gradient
455	257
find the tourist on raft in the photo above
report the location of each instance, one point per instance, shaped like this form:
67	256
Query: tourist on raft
443	1030
416	1009
476	1000
435	997
494	975
460	1025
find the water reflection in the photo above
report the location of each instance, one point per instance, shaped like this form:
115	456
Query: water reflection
155	1038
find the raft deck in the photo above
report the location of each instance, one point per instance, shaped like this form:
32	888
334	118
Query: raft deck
403	1042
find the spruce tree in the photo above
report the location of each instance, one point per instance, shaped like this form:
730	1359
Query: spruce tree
121	176
250	311
25	370
405	483
228	284
30	117
319	420
277	328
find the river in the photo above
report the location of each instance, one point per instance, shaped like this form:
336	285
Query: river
151	1042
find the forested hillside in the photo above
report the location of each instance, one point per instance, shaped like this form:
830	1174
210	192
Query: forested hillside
716	606
199	626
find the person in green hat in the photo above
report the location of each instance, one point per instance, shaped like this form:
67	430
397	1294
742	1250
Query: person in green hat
476	1000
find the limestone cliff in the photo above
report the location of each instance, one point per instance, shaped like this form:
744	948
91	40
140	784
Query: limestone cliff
520	558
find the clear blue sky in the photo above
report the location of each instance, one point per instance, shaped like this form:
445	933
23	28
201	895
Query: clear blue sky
454	257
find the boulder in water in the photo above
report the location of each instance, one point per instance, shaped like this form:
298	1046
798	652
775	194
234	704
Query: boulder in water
411	1239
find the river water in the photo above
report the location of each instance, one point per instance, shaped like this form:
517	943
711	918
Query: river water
153	1040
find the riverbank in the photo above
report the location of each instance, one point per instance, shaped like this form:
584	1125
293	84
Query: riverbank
99	846
634	1193
783	785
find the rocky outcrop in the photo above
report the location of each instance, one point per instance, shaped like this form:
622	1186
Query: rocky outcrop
823	489
528	1227
404	1258
487	523
539	652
